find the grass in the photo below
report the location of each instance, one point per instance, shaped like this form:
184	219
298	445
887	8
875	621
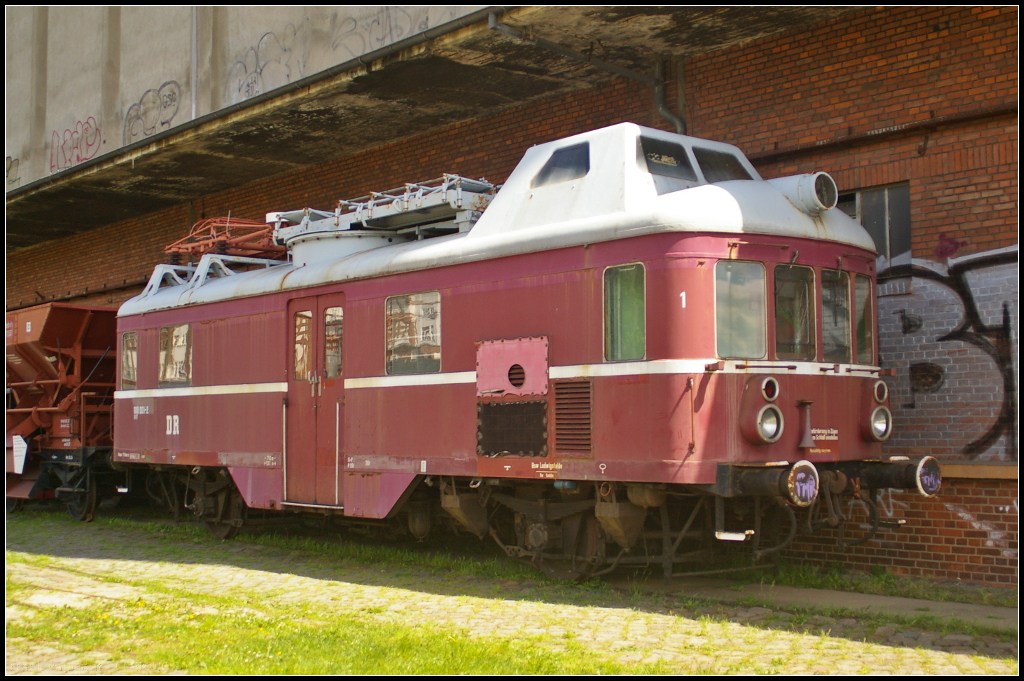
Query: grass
182	634
884	583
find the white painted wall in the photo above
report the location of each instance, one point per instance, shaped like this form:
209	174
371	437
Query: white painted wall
85	81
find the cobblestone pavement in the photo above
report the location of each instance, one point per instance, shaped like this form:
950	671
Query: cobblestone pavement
624	626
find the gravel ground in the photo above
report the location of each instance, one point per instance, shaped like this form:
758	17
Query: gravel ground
626	626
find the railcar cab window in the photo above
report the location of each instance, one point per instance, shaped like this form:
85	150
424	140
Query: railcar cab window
794	313
175	356
413	342
129	360
865	316
625	323
740	310
835	315
668	163
567	163
720	166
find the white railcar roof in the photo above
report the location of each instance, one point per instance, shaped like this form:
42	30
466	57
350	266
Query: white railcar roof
616	199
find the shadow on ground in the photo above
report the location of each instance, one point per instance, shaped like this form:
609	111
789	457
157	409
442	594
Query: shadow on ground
454	566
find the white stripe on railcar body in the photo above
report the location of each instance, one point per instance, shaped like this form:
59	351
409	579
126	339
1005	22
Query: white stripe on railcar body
649	368
195	391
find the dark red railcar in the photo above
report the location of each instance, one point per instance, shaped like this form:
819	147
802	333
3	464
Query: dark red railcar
635	349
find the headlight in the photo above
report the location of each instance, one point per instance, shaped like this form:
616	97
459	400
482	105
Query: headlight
881	391
769	423
769	389
881	423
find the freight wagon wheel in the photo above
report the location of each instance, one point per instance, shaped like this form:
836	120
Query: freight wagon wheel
82	506
14	504
232	515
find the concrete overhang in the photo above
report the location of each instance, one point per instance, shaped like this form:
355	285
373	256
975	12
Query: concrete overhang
456	72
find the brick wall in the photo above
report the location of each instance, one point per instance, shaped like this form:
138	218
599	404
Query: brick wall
968	533
867	72
860	73
870	71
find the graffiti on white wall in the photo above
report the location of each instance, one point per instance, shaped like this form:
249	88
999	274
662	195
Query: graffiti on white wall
281	57
11	171
153	112
78	143
270	63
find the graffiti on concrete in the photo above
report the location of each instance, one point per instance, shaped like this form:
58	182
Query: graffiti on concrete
153	112
77	144
984	291
281	57
11	171
269	64
354	37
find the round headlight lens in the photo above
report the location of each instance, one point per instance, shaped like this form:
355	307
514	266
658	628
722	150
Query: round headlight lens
769	423
881	391
881	423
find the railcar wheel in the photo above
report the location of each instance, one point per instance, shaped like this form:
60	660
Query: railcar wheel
232	512
14	505
82	506
584	555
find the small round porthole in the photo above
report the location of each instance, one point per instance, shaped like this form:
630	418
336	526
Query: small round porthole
517	375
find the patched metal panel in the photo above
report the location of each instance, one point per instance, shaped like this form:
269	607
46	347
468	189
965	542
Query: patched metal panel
515	366
512	428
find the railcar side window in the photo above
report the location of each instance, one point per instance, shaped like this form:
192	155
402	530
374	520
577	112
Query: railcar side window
303	345
333	317
129	359
719	166
568	163
835	315
794	313
413	344
625	324
175	356
667	158
865	318
740	309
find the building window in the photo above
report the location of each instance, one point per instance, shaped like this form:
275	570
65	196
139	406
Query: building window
175	356
413	344
129	359
885	214
625	324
